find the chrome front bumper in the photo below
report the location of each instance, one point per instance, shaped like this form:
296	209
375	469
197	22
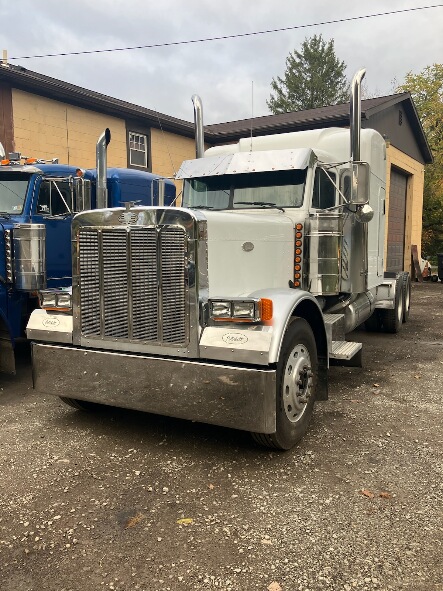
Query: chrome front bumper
230	396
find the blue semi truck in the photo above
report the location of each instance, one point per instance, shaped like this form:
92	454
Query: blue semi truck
37	202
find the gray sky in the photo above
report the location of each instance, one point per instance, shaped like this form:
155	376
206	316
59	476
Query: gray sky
221	72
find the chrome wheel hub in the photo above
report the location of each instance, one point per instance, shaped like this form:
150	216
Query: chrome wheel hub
297	383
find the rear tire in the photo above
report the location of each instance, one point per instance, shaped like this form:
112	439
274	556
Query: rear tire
373	323
84	405
295	387
392	320
406	296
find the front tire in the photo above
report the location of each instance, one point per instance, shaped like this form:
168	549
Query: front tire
295	387
84	405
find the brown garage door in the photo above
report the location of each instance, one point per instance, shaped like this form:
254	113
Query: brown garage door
396	221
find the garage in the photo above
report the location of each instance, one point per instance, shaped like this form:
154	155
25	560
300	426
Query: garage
396	221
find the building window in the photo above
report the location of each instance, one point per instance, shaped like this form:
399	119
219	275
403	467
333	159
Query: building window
138	149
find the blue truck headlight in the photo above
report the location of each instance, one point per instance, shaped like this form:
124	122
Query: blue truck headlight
55	299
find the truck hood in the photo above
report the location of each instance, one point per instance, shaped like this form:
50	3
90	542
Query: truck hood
248	252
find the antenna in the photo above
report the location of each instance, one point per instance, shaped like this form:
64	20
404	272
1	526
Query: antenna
252	108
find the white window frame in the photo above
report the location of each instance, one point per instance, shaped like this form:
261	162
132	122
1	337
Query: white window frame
134	140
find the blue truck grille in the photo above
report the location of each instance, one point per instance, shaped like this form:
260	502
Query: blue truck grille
133	284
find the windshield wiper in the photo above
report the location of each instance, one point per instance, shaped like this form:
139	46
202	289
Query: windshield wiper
5	214
265	204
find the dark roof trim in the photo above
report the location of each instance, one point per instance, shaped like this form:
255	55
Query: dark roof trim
27	80
330	116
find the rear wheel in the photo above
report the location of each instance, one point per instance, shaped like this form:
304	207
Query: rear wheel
296	385
392	320
406	296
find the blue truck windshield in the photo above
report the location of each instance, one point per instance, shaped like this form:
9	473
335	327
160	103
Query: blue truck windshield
283	188
13	187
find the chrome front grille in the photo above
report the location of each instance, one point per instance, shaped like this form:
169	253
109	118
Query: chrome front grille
133	284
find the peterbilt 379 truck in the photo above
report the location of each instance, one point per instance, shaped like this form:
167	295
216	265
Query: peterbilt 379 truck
37	202
229	309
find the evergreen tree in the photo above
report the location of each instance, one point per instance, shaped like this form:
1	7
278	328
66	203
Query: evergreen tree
314	77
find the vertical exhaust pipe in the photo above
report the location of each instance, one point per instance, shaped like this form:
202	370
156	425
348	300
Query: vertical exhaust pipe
102	168
198	123
355	114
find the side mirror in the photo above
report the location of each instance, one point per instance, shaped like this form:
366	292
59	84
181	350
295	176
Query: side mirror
82	194
360	183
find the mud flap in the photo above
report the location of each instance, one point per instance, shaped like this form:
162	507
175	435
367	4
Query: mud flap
7	357
322	381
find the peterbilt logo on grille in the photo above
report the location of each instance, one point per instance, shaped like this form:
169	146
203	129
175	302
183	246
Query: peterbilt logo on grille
235	338
128	217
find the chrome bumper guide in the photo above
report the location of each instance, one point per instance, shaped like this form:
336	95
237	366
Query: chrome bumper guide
227	395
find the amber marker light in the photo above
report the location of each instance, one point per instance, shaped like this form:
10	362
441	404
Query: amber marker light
298	243
30	160
299	227
5	162
267	309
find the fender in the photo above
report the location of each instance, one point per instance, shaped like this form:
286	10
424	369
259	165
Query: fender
291	303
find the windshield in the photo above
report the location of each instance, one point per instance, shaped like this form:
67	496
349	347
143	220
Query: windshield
283	188
13	187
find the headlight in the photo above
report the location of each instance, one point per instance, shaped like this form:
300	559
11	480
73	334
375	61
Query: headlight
56	299
220	309
244	310
241	310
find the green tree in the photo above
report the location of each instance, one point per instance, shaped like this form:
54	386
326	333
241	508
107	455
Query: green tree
314	77
426	89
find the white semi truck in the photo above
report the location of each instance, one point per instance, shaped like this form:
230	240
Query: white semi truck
229	309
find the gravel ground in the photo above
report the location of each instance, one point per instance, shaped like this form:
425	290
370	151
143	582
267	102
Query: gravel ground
125	501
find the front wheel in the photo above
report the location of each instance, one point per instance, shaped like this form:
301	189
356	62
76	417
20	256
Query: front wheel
296	386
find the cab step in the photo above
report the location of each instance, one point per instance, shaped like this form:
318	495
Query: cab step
347	352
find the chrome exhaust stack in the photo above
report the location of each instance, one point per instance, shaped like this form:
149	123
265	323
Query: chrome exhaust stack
198	123
102	168
355	114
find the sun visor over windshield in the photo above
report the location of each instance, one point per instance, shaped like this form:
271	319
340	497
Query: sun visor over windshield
246	162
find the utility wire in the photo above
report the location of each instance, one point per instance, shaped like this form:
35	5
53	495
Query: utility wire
237	36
